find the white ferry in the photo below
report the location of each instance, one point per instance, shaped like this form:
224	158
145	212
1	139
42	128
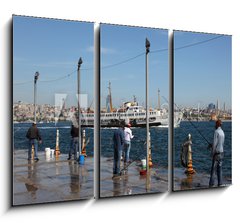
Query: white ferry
135	115
131	113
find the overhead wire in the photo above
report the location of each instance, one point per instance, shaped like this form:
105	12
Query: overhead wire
123	61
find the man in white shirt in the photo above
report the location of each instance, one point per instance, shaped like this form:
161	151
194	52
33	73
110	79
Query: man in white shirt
127	142
217	153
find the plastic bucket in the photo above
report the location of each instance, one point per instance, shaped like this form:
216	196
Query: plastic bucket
47	151
144	164
52	152
81	159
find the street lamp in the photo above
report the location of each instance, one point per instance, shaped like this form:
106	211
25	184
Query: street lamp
35	94
79	112
147	45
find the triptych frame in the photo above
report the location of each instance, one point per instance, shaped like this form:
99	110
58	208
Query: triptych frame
112	110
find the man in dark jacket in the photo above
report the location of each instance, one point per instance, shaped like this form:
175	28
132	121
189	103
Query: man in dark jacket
34	137
118	143
74	143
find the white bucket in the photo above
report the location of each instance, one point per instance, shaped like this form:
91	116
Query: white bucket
52	152
144	163
47	151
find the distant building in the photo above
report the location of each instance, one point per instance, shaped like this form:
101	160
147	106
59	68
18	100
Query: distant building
211	107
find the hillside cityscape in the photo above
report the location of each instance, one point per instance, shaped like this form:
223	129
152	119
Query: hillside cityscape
24	112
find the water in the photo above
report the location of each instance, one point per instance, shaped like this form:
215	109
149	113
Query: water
200	154
48	133
159	138
159	144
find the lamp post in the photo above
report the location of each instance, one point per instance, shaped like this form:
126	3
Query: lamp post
35	94
79	112
147	45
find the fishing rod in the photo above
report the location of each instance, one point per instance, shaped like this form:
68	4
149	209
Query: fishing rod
130	163
198	130
192	124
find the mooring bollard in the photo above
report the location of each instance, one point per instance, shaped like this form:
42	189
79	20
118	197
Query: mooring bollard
84	143
33	152
150	152
190	169
57	150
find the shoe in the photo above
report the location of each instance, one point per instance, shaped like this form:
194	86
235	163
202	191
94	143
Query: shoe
118	176
69	158
36	159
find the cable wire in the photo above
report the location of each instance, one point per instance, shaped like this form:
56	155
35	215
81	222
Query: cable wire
124	61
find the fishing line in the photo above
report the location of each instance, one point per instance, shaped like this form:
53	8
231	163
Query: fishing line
138	157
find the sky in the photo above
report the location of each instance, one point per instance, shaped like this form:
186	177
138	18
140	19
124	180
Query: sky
202	69
202	63
123	64
51	47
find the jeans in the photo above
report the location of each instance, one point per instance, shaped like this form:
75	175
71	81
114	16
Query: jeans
73	148
216	165
127	147
117	160
35	143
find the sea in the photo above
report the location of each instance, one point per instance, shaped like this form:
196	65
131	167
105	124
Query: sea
159	142
202	133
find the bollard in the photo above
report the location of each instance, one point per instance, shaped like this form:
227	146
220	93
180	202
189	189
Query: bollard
150	164
84	143
190	169
57	150
33	152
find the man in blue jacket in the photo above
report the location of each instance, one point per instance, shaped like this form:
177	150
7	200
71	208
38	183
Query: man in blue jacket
217	153
118	143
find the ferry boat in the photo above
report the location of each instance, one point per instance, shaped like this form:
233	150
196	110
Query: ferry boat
131	113
135	115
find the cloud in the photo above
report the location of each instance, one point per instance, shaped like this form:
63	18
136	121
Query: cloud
104	50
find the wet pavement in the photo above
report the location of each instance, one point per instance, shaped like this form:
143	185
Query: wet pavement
195	181
50	179
131	182
57	179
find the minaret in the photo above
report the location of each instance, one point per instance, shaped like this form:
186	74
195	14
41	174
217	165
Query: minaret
110	96
135	100
159	105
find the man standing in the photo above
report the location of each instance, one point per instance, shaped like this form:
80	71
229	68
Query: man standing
74	143
217	153
127	142
34	137
118	143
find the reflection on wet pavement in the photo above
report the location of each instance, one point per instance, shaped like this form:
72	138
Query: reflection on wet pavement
50	179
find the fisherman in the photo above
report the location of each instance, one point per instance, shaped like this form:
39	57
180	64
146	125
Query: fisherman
118	143
217	153
34	138
127	142
74	142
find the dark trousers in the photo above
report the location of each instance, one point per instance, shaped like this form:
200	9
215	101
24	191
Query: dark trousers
117	160
73	147
35	143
